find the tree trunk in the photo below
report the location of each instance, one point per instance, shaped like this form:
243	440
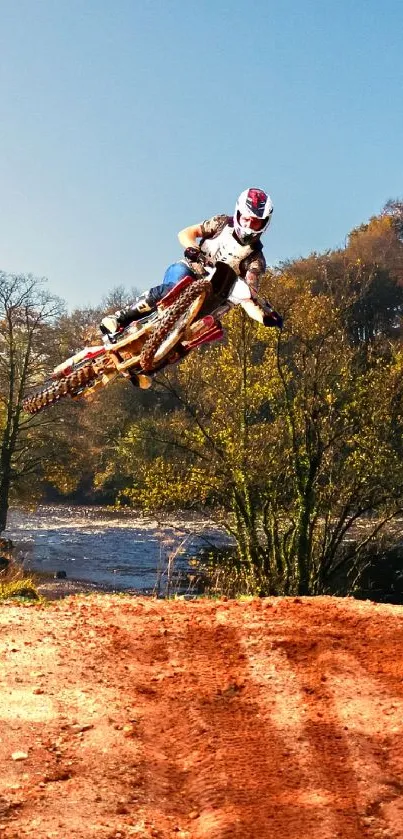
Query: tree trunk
304	546
4	497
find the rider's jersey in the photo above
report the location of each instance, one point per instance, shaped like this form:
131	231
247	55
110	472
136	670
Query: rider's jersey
220	244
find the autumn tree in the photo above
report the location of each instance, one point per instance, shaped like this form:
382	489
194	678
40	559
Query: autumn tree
26	313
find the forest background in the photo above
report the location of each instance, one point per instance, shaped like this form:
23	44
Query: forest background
291	440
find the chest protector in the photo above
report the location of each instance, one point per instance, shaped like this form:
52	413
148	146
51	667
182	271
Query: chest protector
225	248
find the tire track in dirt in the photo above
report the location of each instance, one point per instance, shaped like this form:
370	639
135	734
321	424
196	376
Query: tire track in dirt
284	709
224	745
277	719
345	711
248	784
253	740
305	712
206	754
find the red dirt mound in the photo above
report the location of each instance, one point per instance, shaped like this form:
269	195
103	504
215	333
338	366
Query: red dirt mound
278	718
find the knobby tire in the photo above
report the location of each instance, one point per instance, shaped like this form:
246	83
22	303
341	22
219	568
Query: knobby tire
67	386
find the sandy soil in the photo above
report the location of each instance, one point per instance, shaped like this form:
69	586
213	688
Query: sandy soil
122	716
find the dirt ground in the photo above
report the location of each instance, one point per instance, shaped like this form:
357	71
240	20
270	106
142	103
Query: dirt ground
278	718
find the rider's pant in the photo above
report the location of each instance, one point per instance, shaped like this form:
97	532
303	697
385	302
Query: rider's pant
175	272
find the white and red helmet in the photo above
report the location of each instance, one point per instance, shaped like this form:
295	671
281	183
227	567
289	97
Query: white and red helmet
252	216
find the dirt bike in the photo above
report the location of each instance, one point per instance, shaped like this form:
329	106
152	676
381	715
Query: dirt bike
186	317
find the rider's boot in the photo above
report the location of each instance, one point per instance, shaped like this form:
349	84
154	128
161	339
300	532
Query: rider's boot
141	308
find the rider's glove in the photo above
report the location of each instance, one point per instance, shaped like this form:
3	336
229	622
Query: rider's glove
109	325
272	318
194	254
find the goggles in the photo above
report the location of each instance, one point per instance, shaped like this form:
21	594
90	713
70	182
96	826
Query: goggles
252	223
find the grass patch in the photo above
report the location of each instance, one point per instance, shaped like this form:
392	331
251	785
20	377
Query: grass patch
15	584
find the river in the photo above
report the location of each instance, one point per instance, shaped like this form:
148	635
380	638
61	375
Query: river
120	551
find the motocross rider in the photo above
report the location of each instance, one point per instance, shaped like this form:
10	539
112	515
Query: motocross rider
234	240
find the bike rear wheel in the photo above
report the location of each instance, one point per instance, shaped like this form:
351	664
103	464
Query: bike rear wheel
174	323
75	384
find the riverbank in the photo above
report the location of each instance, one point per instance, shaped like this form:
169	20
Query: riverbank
53	589
112	550
133	717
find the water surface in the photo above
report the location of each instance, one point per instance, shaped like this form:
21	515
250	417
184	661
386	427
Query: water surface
117	550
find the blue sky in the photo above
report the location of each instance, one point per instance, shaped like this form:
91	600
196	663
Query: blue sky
123	121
